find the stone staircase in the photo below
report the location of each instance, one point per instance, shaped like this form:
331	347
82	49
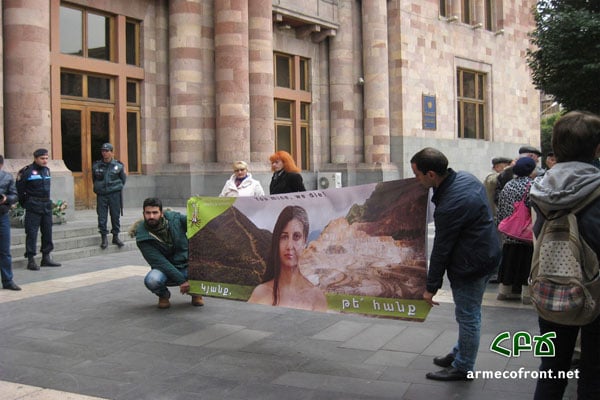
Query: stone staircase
77	238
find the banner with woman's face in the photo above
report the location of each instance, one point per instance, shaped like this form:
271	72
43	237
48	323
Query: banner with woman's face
359	249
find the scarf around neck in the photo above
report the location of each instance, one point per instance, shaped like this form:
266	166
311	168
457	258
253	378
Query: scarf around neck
161	231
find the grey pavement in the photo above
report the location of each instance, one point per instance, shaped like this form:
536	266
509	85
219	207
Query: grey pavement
90	329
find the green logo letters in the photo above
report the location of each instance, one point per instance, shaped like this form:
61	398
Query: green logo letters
522	341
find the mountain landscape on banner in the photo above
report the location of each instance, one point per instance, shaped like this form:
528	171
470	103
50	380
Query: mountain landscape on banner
377	249
229	249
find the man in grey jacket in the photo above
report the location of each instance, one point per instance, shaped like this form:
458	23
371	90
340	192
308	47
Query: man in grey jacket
465	247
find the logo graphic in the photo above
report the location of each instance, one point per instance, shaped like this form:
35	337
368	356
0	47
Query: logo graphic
541	345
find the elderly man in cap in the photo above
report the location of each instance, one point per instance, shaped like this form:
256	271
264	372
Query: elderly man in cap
108	175
490	182
33	189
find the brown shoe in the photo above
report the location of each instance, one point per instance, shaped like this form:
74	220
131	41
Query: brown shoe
197	301
163	302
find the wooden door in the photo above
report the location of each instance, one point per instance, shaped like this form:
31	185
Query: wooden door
83	129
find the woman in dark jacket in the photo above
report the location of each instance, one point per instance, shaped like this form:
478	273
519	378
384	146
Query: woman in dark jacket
286	177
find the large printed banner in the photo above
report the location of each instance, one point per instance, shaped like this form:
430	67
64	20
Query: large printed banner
359	249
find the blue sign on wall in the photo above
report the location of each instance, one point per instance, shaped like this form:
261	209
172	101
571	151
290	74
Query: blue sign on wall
429	112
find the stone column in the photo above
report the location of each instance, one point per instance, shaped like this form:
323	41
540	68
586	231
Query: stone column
156	148
456	8
396	84
26	77
232	81
479	17
262	113
342	81
185	21
376	91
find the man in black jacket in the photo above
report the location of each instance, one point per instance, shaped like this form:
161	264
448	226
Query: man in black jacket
108	176
33	188
465	247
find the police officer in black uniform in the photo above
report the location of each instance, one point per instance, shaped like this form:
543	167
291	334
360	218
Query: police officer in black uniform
33	189
108	175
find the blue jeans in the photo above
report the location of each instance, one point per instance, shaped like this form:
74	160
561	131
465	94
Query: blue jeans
468	295
5	258
588	386
156	282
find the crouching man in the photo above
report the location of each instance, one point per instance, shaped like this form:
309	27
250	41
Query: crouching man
162	239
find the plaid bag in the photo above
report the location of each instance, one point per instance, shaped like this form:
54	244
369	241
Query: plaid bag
564	281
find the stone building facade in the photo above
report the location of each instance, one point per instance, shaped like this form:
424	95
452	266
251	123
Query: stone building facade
183	88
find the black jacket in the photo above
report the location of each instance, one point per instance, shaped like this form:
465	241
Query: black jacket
33	181
466	241
286	182
8	189
108	177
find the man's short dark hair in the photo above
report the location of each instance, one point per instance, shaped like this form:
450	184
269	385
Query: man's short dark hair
430	159
153	202
575	137
40	152
1	159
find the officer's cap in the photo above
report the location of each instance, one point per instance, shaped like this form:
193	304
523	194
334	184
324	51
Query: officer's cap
107	146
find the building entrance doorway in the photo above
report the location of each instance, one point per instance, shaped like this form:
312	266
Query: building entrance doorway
84	129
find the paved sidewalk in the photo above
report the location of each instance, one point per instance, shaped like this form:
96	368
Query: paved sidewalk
90	329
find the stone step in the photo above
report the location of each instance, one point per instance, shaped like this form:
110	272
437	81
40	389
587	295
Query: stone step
72	254
69	243
70	230
72	240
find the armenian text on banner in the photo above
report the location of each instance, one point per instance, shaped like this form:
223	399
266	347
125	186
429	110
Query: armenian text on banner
359	249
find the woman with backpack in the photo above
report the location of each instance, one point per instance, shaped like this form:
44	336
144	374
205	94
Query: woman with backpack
571	183
516	254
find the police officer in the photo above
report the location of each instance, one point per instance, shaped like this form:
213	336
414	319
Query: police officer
108	175
33	189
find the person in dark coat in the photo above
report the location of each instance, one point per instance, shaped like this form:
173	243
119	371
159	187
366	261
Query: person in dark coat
161	238
465	247
8	197
108	176
286	175
33	189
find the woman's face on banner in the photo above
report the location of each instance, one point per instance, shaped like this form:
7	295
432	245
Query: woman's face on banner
291	244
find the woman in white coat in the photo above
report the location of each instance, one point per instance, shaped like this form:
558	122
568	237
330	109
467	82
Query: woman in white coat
241	183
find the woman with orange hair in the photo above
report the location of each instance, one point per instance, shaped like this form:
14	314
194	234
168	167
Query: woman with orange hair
286	177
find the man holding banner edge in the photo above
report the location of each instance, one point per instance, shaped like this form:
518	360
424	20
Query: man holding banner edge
161	238
465	247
